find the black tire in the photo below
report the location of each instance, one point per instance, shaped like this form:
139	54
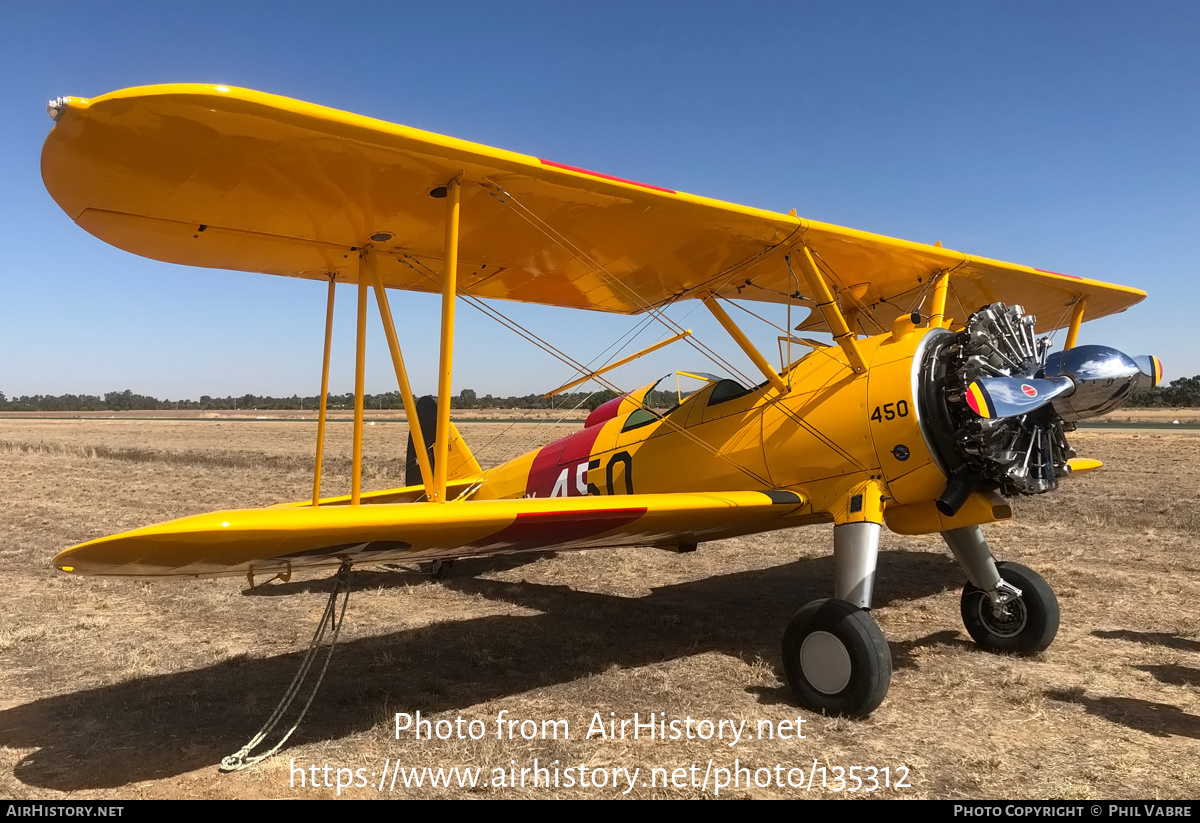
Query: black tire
836	659
1027	625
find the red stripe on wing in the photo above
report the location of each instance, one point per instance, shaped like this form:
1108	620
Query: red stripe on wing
603	176
536	530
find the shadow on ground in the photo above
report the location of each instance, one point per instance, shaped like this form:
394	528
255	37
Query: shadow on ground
165	725
1158	719
1171	641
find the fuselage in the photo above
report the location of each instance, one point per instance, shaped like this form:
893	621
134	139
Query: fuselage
831	432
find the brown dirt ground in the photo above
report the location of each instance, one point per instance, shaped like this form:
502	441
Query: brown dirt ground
128	689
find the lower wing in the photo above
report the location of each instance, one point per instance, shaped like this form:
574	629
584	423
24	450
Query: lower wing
275	540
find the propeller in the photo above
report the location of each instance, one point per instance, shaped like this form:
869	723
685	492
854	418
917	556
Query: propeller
1009	402
1151	367
1104	379
1082	382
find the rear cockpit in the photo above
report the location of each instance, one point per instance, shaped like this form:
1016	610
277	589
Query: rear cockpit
675	395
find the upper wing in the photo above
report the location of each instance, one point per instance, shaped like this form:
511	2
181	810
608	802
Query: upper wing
229	178
280	539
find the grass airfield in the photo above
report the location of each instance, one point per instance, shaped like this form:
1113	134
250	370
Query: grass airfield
132	689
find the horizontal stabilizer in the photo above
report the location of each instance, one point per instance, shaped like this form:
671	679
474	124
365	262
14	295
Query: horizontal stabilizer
1083	465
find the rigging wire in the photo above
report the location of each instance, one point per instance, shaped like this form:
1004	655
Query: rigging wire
530	217
918	301
755	316
958	300
555	236
533	338
487	473
1058	326
804	424
596	268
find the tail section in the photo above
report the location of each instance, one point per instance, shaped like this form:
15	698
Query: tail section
460	463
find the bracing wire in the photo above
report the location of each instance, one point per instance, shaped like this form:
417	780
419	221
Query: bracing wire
530	217
596	268
537	341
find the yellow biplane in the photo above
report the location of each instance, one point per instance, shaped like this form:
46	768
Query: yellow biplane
937	398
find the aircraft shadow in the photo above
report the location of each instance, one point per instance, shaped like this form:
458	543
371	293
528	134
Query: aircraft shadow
403	575
1174	675
1158	719
164	725
1171	641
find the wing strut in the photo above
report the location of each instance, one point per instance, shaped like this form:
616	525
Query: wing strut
744	343
829	308
441	443
410	404
1076	322
360	364
937	312
324	395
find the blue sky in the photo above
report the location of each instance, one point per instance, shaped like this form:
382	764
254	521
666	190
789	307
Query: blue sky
1062	135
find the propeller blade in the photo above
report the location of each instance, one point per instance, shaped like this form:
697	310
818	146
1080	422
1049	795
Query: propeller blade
995	397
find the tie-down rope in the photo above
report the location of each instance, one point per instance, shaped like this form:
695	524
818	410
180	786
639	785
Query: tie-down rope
242	758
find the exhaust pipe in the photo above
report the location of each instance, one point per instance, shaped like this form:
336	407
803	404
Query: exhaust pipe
964	481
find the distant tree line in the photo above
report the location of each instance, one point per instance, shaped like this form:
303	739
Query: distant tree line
125	401
1183	392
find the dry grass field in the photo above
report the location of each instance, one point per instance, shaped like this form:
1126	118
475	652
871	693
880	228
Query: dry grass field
128	689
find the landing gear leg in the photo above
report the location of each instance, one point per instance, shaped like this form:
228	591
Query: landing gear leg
835	658
1005	606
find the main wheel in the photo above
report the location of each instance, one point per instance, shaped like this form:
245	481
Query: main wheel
836	660
1024	625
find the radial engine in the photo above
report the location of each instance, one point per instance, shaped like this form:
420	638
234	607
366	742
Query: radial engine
998	405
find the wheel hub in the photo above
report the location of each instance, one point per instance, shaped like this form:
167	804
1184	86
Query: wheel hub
1006	620
825	662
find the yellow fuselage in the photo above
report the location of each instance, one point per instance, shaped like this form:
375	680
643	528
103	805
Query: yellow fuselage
831	436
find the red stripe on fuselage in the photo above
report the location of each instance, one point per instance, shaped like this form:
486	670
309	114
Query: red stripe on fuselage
537	530
562	454
604	412
603	176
